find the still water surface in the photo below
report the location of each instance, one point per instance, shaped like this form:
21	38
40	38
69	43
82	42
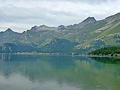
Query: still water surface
25	72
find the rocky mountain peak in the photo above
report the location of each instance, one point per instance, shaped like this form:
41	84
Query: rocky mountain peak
61	27
9	30
89	20
34	28
43	26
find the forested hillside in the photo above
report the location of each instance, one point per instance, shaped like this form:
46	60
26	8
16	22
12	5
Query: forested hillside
111	51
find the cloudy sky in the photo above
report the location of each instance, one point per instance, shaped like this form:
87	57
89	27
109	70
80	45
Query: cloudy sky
21	15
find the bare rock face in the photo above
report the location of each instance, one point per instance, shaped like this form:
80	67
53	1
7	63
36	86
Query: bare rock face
61	27
88	21
113	18
43	28
9	30
81	25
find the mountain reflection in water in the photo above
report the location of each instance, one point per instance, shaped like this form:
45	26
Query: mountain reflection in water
33	72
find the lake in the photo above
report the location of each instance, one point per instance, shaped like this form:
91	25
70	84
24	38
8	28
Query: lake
34	72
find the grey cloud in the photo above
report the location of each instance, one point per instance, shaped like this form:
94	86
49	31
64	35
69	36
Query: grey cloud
53	12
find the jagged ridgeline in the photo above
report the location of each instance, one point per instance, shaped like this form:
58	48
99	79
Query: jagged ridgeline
78	38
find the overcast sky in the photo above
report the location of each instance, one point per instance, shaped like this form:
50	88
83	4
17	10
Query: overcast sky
21	15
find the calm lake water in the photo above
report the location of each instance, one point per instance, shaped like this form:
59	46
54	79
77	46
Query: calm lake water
25	72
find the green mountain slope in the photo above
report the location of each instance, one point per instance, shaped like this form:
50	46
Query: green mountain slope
82	37
59	45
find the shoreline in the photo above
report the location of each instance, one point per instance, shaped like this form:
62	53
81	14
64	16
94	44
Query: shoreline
46	54
104	56
60	54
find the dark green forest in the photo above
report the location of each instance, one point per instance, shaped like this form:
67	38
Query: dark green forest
113	51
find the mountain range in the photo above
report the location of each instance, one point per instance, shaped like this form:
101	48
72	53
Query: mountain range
83	37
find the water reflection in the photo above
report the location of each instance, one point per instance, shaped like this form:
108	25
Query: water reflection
26	72
107	60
